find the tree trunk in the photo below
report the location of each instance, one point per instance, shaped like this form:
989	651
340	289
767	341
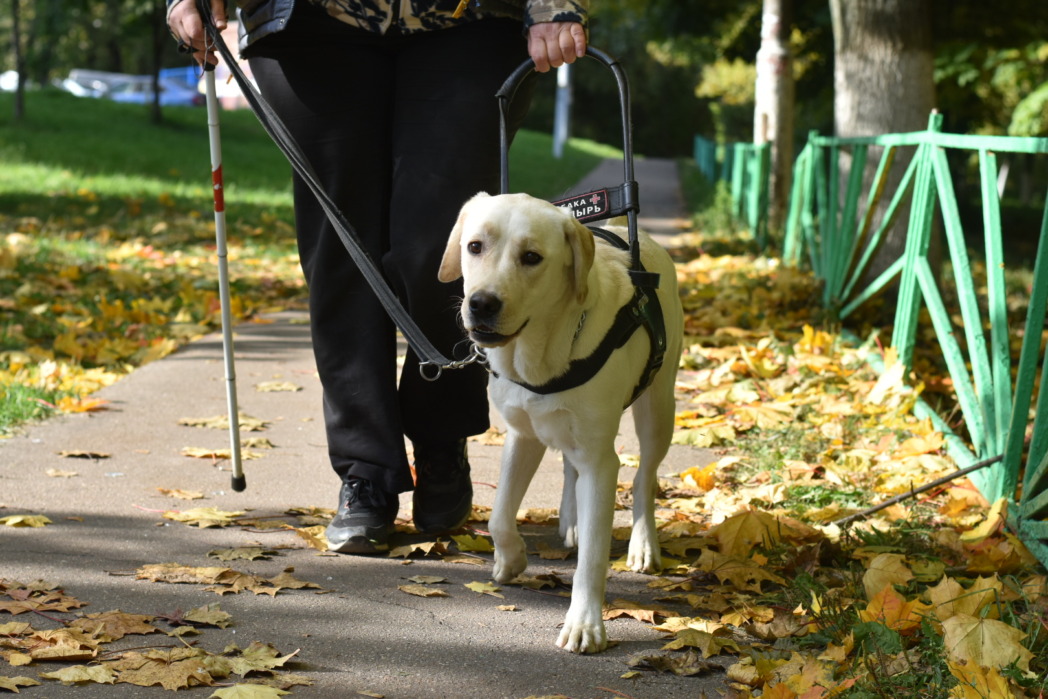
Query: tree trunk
773	111
160	35
16	40
883	83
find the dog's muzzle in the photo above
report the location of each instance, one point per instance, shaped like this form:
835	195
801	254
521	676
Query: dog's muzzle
484	309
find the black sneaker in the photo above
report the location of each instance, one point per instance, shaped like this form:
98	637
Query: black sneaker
443	497
364	519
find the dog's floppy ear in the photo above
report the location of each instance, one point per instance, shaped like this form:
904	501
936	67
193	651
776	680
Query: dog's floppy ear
451	264
580	239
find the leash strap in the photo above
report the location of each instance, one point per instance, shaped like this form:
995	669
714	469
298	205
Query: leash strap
431	362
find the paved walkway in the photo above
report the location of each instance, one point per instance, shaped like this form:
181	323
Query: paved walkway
362	634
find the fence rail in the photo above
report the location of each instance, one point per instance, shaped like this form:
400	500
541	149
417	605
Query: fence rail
838	227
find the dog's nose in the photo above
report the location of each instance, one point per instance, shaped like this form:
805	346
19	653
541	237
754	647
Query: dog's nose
484	305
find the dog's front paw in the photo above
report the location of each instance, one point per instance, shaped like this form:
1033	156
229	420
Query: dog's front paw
583	635
644	553
510	561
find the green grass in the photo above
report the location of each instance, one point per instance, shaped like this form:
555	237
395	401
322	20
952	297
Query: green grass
101	210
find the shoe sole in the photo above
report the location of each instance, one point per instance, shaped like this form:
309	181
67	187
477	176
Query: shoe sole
441	528
359	545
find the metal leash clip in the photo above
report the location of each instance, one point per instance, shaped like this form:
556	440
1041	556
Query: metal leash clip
476	356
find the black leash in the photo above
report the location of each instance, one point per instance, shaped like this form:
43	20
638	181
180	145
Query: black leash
431	362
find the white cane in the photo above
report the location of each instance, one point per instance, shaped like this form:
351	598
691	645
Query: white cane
238	482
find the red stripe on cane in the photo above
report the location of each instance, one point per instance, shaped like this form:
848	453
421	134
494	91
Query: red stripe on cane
216	181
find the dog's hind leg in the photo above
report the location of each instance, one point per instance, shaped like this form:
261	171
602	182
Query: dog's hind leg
568	515
520	458
653	416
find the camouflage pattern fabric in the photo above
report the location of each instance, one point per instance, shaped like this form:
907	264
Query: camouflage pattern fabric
409	16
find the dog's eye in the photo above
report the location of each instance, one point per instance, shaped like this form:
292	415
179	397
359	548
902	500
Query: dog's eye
530	258
474	247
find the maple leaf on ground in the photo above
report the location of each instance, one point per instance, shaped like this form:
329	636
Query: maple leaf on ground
473	544
890	608
60	644
178	573
258	657
950	598
688	664
114	625
975	682
209	615
421	590
99	674
549	553
27	600
178	668
709	643
11	684
427	548
247	553
314	536
739	534
985	642
743	574
636	610
221	422
205	517
24	521
486	588
248	691
885	569
181	494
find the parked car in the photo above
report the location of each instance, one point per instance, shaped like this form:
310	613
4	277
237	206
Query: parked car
176	87
139	90
91	83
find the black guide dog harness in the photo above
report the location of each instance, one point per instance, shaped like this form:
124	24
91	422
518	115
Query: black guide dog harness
642	311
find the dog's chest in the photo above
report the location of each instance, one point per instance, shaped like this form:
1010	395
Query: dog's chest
539	417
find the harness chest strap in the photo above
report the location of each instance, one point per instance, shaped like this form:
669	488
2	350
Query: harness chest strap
643	310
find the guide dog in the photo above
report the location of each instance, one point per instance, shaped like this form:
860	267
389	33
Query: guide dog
541	292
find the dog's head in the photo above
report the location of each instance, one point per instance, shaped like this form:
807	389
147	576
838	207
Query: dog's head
520	258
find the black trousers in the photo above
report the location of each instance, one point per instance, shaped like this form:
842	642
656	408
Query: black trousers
401	130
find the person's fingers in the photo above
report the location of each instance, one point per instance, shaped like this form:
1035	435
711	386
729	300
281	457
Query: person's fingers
188	29
552	44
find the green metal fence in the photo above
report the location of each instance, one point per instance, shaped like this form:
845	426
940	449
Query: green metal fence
745	167
841	231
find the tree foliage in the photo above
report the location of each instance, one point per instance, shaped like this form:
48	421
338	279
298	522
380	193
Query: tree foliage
690	64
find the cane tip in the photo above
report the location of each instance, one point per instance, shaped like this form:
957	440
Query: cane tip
239	483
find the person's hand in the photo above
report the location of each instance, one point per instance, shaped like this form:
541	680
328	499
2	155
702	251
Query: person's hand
552	44
188	28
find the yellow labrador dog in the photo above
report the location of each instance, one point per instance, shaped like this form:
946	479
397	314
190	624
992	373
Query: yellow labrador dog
540	292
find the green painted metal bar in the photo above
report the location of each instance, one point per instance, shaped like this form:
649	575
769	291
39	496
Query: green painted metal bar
844	241
794	235
808	224
890	215
1036	507
997	301
999	144
951	353
823	208
874	288
738	177
1024	380
978	407
919	231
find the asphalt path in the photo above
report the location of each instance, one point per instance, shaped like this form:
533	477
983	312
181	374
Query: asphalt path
356	632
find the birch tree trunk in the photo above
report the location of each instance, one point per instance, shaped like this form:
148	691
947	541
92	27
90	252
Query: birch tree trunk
774	100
